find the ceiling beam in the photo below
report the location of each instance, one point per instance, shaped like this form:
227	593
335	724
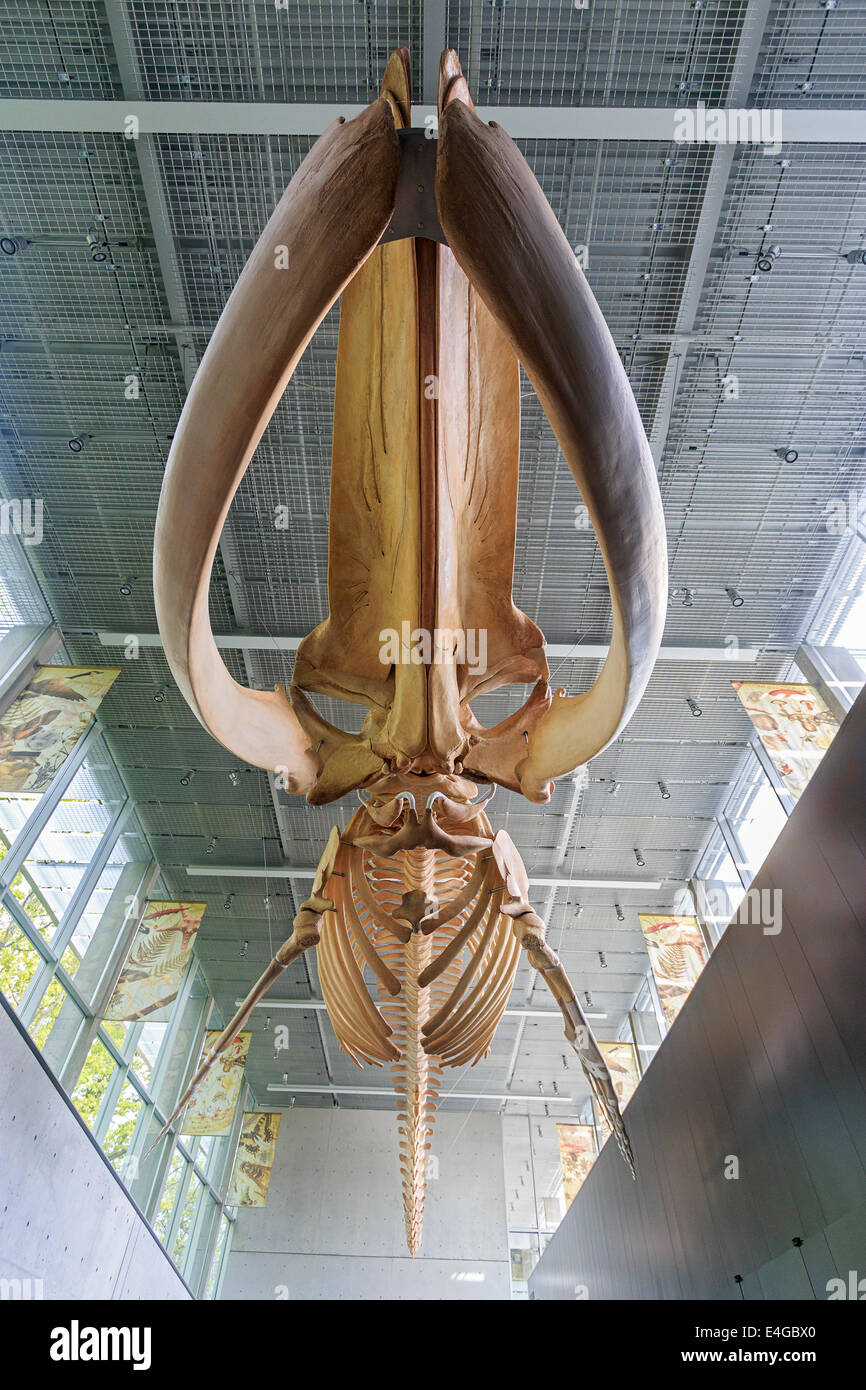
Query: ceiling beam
319	1006
742	75
557	651
309	871
800	125
300	1090
152	185
433	42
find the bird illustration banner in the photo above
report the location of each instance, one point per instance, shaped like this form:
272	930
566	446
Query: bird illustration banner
577	1154
212	1108
43	724
254	1160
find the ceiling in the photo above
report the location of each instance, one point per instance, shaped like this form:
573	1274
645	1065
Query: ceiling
673	230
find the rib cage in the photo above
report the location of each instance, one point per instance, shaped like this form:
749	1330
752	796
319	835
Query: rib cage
439	995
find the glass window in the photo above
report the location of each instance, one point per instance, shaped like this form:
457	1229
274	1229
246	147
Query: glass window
760	824
19	959
147	1046
187	1218
93	1081
15	809
121	1126
27	894
169	1195
46	1012
57	862
722	887
216	1262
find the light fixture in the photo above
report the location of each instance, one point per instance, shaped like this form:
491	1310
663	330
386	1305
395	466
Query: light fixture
663	788
244	949
689	600
789	455
228	902
9	246
765	262
588	997
267	901
694	707
187	777
126	587
613	789
80	442
234	776
212	845
620	915
602	960
159	695
578	909
735	596
641	862
856	257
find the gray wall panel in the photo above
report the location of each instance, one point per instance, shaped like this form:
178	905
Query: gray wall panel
65	1219
333	1224
767	1062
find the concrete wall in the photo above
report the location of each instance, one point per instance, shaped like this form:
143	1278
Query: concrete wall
333	1224
766	1064
65	1218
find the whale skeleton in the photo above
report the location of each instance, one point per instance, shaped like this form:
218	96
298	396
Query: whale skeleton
419	911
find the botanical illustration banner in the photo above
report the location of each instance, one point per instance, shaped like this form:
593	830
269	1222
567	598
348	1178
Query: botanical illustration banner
794	725
43	724
155	966
254	1160
576	1156
212	1108
622	1065
677	956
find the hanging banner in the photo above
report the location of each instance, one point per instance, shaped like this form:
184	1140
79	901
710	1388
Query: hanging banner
156	963
522	1264
212	1108
622	1065
794	724
677	956
254	1160
577	1154
43	724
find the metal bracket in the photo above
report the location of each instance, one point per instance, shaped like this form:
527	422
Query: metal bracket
415	212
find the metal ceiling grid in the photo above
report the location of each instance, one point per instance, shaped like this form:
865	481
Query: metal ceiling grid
60	50
251	50
612	52
816	44
58	392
